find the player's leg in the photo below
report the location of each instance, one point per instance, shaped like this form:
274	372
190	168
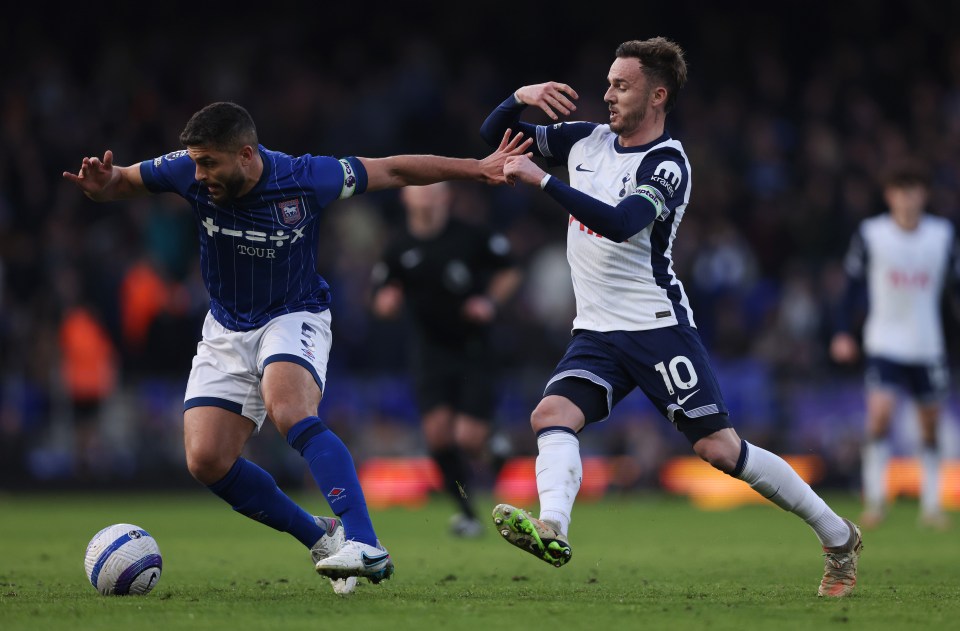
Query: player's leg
559	472
673	369
438	372
556	421
770	476
931	508
293	353
472	435
213	441
222	409
875	456
438	433
929	386
882	379
471	428
584	386
579	392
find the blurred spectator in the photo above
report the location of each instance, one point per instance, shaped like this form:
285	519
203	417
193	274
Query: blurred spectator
89	369
784	153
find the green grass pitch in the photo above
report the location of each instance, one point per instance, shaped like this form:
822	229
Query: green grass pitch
643	562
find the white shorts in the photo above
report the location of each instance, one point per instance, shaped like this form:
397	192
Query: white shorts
229	365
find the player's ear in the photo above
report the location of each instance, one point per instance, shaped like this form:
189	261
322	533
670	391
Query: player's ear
246	155
659	96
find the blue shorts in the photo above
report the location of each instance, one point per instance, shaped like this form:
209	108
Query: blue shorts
670	365
924	383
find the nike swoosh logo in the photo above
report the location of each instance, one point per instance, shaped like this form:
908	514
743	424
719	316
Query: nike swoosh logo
369	561
682	400
580	168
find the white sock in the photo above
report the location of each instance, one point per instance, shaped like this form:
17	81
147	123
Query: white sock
770	476
559	472
930	486
876	457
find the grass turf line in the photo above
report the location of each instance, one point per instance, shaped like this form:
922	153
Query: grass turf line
651	561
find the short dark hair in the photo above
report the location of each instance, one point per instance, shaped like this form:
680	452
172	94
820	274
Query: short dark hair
904	173
662	60
223	125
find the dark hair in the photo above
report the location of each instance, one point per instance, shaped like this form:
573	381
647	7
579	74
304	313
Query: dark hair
661	60
223	125
904	173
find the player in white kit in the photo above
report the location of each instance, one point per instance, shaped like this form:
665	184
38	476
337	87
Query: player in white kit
903	259
629	189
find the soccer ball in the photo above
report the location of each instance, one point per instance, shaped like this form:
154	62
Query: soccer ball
123	559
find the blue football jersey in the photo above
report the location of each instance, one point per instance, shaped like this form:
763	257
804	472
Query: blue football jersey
258	253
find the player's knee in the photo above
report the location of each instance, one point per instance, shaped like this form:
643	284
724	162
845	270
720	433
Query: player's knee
554	412
285	414
208	466
717	453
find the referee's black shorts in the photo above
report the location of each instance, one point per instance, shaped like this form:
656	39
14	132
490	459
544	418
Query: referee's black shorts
462	377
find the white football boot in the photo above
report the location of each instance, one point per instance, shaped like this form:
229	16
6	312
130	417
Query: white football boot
329	544
357	559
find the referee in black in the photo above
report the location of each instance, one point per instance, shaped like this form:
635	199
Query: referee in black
453	279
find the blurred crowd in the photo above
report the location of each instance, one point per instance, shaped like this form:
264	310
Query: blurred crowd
788	118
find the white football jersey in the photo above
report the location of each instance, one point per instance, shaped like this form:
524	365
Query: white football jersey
905	272
626	286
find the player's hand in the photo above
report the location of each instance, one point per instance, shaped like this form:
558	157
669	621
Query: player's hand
95	176
491	167
843	348
551	97
387	301
479	309
522	169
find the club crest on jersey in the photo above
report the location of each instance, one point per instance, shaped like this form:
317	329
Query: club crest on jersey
290	212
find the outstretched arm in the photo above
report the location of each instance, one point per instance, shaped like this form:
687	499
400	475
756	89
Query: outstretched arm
397	171
101	181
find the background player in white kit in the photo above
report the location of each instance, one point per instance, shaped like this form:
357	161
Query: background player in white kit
629	188
903	258
266	340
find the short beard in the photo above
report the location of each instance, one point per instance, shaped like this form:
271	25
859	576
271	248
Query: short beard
232	187
630	123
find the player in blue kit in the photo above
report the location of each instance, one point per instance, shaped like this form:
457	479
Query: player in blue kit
266	339
629	189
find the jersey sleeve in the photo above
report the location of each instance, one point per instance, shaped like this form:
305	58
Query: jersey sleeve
170	173
855	261
334	178
662	179
554	142
854	295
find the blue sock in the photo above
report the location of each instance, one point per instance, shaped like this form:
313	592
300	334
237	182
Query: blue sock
253	492
332	467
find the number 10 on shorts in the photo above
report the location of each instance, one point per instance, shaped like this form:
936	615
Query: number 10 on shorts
673	377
